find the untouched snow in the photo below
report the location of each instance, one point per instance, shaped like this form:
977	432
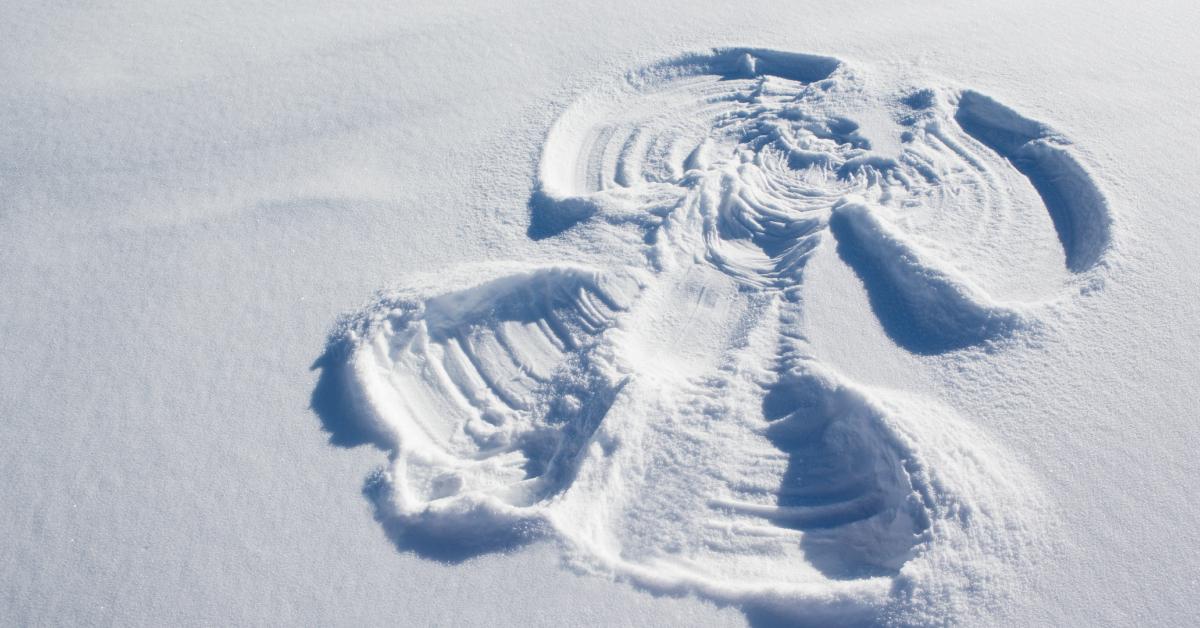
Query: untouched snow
191	197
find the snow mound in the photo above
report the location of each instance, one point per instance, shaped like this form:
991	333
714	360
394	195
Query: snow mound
663	416
927	305
1079	211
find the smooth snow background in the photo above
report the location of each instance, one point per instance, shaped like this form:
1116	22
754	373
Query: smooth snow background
189	196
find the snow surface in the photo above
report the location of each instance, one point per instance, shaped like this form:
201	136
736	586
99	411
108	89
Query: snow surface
191	197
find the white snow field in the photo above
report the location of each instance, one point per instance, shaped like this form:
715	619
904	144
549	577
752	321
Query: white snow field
666	314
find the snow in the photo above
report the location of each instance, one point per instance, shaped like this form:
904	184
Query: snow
192	197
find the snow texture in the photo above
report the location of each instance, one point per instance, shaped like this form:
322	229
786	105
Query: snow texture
546	314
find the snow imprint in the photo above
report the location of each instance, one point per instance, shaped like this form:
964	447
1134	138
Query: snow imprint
663	417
